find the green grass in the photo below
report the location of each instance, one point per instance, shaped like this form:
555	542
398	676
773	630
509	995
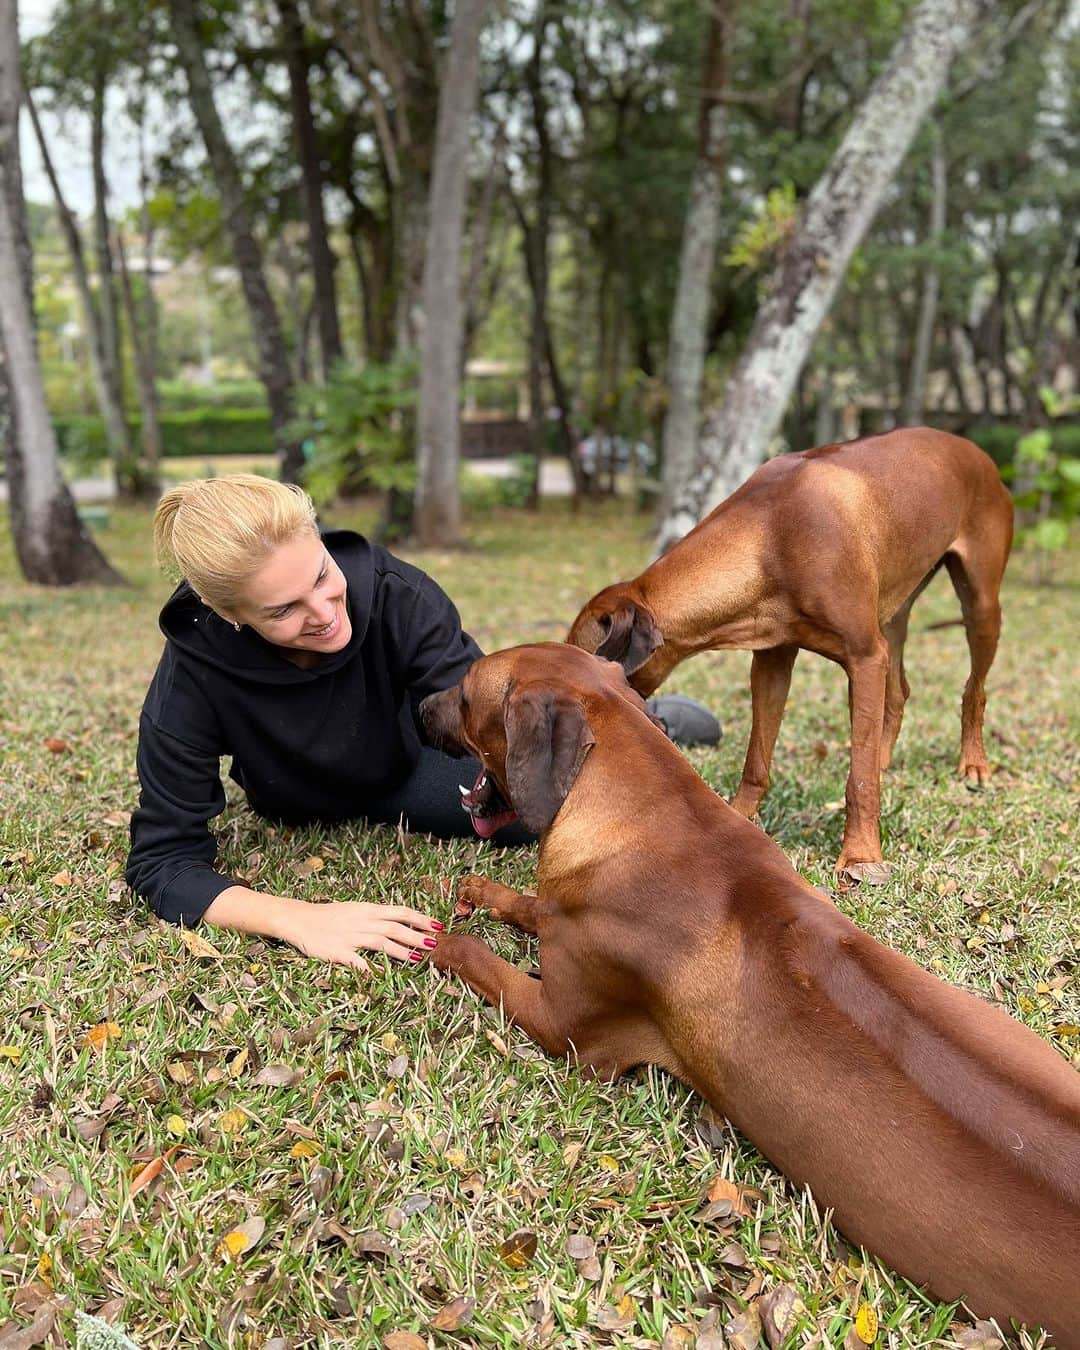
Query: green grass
432	1123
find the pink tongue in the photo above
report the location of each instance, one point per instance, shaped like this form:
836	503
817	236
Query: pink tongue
486	826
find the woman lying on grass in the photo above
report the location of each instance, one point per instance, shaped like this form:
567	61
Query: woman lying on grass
304	656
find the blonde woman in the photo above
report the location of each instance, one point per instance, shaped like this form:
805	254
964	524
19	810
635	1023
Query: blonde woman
303	656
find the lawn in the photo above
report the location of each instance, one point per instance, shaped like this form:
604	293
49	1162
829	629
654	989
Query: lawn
235	1146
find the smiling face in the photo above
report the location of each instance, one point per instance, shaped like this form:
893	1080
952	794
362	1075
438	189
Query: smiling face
296	599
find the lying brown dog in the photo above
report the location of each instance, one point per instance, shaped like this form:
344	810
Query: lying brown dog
826	550
674	932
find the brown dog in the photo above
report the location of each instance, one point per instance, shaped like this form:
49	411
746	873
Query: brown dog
826	550
674	932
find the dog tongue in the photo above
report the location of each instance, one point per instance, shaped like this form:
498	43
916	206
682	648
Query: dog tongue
486	826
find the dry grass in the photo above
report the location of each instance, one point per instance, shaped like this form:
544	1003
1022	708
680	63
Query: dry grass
421	1119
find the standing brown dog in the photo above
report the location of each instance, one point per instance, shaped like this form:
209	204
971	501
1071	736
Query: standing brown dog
674	932
826	550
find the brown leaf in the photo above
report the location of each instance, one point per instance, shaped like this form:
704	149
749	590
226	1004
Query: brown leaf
518	1249
241	1239
716	1211
373	1243
780	1309
982	1336
579	1247
679	1337
24	1338
733	1256
197	945
56	745
97	1038
744	1331
403	1340
454	1315
398	1066
722	1189
277	1075
309	866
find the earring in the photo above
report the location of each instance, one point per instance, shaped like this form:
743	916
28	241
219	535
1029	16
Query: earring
236	625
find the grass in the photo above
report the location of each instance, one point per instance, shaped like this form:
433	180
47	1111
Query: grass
416	1134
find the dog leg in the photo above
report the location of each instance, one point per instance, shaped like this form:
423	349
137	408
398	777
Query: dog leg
897	688
520	996
976	578
867	677
770	680
502	903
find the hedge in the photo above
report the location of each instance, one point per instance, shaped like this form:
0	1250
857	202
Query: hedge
203	432
999	439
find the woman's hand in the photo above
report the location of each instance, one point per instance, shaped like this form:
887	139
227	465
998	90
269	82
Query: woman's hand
336	932
339	932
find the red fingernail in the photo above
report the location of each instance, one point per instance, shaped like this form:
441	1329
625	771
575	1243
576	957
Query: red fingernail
440	926
416	956
430	942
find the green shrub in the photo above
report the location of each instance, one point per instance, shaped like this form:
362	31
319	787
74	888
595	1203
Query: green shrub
1000	439
202	432
180	396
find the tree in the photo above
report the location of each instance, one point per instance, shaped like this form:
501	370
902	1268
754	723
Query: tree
438	494
690	314
273	362
835	218
51	542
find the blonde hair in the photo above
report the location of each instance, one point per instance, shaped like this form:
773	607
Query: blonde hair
216	532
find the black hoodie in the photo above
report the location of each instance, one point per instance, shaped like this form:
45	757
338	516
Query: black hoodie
321	744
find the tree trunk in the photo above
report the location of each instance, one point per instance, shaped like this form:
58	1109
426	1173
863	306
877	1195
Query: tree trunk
438	495
690	315
113	369
924	332
837	214
51	543
112	412
273	360
145	377
307	142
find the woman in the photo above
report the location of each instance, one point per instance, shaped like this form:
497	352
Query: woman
303	656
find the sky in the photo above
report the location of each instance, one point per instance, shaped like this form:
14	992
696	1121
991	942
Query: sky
69	143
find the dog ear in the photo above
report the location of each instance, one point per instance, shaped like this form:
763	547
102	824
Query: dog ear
632	637
547	739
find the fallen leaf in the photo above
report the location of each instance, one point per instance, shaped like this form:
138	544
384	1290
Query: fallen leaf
722	1189
277	1075
518	1249
180	1072
35	1334
454	1315
63	878
982	1336
373	1243
55	745
233	1121
305	1148
242	1238
12	1052
403	1340
679	1337
608	1163
743	1332
309	866
197	945
97	1038
176	1125
866	1324
781	1309
579	1247
238	1063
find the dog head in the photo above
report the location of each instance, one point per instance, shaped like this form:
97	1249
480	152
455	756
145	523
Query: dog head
618	626
522	714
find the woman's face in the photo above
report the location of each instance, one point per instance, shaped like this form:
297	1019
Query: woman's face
296	599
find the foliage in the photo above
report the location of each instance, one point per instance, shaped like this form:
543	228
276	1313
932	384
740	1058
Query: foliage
1046	479
205	432
758	242
359	428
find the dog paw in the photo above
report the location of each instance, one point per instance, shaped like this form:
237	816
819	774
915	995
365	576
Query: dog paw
453	951
872	873
470	895
975	773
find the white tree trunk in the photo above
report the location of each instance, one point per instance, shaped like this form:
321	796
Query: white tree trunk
438	495
924	333
51	542
837	215
690	315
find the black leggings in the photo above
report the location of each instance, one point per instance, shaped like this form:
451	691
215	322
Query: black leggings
428	802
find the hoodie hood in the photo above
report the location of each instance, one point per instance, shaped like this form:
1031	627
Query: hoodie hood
204	636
